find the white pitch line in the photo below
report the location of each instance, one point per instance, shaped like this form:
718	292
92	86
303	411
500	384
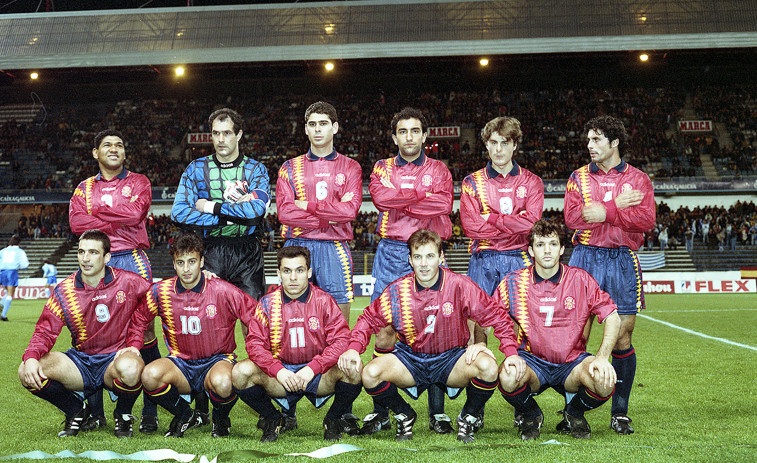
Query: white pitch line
696	333
698	310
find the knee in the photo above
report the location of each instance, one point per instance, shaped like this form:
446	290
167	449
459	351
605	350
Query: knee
371	375
129	369
242	374
509	381
486	367
385	339
221	384
152	377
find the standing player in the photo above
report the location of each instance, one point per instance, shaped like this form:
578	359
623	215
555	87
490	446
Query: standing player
96	304
51	274
12	259
610	205
429	309
318	195
199	316
498	206
296	335
411	192
117	202
552	303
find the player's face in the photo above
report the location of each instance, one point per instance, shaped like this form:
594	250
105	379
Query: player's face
601	149
225	141
92	258
501	152
425	260
294	275
320	130
546	251
111	153
409	137
189	268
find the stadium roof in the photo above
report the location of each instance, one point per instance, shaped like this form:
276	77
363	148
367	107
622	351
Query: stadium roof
275	32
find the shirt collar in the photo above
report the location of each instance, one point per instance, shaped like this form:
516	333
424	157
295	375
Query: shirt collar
418	161
197	288
554	279
106	279
124	173
329	157
225	165
435	286
303	297
620	167
493	173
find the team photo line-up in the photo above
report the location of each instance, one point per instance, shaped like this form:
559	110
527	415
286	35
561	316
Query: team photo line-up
430	323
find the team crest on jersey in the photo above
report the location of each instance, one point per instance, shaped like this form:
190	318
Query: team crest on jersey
626	187
340	179
521	192
427	180
447	309
120	297
314	324
211	311
569	303
126	191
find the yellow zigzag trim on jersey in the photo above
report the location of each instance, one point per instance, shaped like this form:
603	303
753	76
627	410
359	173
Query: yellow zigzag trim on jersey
521	304
275	324
526	258
637	274
76	317
165	310
140	261
584	189
298	166
344	260
89	186
385	306
384	169
479	179
406	309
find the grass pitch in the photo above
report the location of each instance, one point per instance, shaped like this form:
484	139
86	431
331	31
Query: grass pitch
694	399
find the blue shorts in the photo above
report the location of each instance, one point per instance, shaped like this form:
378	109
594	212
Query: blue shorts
618	272
311	391
9	278
488	268
92	368
550	374
196	370
428	369
392	260
133	260
331	262
52	280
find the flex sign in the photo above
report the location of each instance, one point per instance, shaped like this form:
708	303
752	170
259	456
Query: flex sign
716	286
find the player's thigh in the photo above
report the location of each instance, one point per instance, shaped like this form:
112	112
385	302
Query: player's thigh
218	378
387	368
164	371
484	366
59	367
386	338
580	376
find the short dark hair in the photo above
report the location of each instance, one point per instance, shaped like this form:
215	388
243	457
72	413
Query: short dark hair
409	113
544	228
97	235
223	114
290	252
610	127
321	107
108	133
14	241
508	127
423	236
186	243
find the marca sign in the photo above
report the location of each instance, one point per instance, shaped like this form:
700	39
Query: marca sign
444	132
695	126
199	138
716	286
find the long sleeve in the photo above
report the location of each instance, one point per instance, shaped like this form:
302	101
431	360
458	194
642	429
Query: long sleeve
488	311
288	212
79	218
440	201
386	198
49	326
143	314
577	195
337	338
370	322
255	203
258	343
132	213
641	218
183	210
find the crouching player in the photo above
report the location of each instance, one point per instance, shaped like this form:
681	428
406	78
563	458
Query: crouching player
551	303
429	309
199	315
95	304
297	334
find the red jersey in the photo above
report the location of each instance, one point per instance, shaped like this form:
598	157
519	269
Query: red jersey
514	202
96	317
309	329
118	207
322	182
433	320
622	227
197	323
551	314
406	208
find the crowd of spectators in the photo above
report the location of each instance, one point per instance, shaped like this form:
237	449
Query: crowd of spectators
44	221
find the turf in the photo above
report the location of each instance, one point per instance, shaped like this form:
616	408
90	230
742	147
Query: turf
694	400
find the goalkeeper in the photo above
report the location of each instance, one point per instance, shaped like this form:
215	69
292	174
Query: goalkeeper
224	197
